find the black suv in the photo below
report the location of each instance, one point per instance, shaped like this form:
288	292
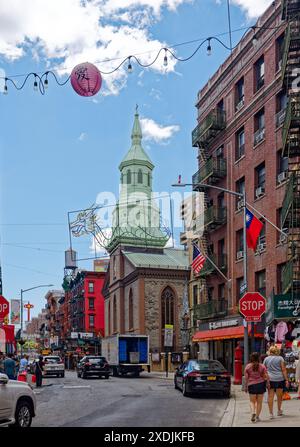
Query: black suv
93	365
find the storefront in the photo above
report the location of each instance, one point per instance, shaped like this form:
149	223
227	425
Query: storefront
283	330
218	339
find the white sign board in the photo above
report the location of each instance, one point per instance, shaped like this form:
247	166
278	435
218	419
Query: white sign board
168	335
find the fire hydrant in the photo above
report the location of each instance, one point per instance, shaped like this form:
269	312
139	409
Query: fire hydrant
238	365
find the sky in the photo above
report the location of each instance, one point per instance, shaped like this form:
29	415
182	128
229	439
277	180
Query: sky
59	151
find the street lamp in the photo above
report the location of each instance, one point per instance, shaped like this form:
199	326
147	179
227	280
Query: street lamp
242	196
23	291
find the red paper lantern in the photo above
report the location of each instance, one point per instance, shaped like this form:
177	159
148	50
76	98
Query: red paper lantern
86	79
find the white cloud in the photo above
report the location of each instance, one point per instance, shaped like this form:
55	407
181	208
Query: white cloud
253	8
80	30
82	136
156	132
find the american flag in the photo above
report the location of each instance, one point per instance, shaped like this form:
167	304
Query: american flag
198	259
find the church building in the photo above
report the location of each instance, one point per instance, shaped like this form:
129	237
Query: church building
146	284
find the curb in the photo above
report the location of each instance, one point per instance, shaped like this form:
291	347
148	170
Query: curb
229	413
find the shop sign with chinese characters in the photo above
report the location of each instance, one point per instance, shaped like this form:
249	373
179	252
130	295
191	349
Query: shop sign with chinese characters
283	307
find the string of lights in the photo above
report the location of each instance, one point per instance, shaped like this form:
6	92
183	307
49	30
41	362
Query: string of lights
41	80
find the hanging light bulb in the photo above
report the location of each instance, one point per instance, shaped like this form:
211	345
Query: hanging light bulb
5	92
35	85
165	59
208	50
46	83
129	67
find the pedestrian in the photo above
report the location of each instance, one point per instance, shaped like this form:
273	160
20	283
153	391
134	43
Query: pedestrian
10	367
297	377
23	364
256	379
1	362
276	369
39	367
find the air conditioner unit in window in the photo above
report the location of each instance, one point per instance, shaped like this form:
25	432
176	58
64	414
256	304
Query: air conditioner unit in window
240	204
282	177
239	254
282	237
239	105
259	191
261	247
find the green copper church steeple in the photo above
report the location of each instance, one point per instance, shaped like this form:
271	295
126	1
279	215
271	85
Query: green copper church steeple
136	218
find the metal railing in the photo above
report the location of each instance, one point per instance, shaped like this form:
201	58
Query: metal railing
214	167
287	276
215	216
220	261
288	199
210	309
292	114
214	122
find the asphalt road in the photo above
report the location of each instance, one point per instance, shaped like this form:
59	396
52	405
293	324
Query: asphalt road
148	401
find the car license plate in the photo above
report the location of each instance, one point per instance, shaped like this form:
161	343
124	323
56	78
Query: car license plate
97	367
211	378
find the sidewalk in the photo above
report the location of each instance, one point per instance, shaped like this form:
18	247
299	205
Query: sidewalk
162	375
238	412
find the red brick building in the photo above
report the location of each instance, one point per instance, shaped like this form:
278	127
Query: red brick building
239	140
83	309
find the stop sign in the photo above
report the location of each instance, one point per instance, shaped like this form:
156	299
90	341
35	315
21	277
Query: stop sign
4	308
252	306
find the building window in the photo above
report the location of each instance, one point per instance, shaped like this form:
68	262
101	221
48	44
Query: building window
279	51
167	307
220	105
221	292
221	253
259	74
260	180
240	188
281	103
195	295
239	288
239	243
91	321
239	94
149	179
259	127
115	314
128	177
260	282
91	303
91	287
114	268
280	268
140	176
282	167
130	310
240	144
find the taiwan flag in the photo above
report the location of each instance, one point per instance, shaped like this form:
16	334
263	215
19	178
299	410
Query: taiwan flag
253	229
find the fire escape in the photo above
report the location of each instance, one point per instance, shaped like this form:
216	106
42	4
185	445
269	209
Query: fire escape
212	168
291	144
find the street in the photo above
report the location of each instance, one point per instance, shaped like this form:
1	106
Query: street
148	401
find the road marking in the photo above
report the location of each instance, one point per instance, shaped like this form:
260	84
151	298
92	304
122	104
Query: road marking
77	386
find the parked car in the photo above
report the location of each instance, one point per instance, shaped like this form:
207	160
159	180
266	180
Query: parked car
17	403
202	376
92	365
54	366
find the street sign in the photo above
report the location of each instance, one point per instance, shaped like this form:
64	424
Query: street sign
243	287
168	335
4	308
252	306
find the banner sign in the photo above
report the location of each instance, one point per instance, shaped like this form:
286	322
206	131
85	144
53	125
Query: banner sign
168	335
283	306
15	311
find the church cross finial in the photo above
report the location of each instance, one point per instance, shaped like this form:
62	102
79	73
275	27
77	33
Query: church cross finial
136	108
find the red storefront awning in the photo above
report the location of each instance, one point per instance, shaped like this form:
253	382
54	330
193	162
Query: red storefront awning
223	334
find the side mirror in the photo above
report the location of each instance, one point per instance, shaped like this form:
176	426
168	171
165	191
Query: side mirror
3	379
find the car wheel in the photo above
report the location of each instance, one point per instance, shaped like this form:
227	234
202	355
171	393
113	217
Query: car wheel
63	375
83	375
184	391
107	376
23	415
175	384
78	374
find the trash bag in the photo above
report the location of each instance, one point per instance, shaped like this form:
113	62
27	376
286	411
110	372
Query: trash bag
286	396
